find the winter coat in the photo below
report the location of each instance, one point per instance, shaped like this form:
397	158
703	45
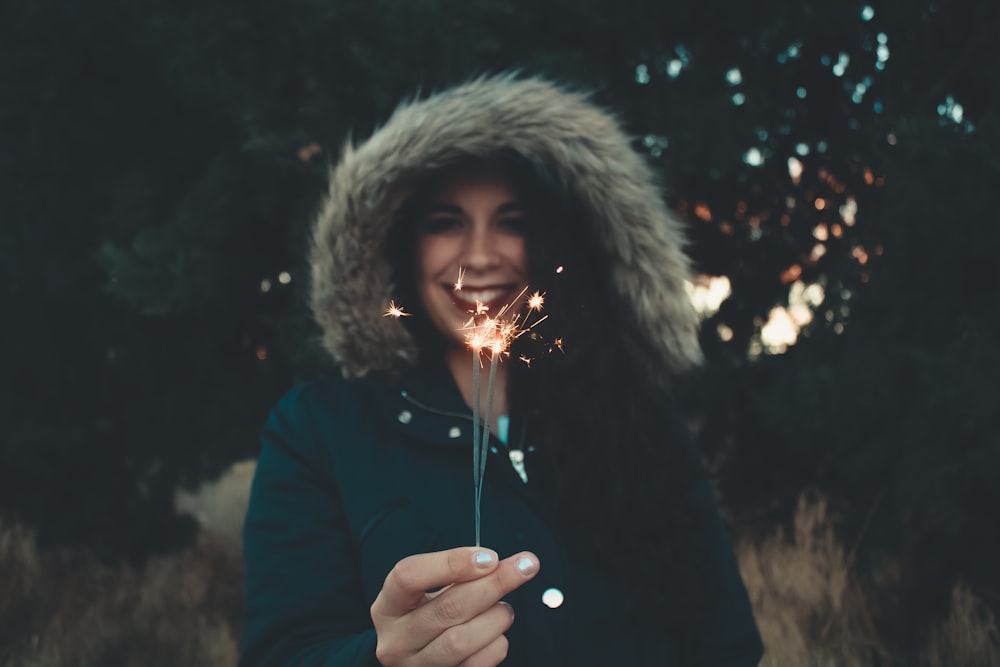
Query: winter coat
357	473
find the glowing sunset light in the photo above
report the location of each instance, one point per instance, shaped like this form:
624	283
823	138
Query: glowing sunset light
795	169
707	293
785	323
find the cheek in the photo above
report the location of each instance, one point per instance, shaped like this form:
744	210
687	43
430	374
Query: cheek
433	256
517	254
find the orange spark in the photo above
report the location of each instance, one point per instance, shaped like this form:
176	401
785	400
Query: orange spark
395	311
535	301
498	331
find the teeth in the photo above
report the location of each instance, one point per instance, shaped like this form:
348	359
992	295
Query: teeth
482	295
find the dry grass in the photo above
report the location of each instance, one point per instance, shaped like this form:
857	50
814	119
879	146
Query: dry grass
813	611
64	609
969	637
810	609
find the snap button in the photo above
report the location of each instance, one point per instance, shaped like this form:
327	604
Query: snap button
455	432
552	598
405	417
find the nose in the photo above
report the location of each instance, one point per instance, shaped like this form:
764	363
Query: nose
480	251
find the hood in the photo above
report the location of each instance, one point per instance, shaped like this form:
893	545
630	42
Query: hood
579	143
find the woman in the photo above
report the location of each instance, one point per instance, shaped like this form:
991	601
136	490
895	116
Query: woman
361	513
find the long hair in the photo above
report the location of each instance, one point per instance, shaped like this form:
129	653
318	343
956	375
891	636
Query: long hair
613	454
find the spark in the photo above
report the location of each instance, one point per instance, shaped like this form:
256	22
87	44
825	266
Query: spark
461	279
395	311
535	301
497	332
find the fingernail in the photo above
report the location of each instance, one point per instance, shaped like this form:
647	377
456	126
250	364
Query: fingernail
484	558
526	565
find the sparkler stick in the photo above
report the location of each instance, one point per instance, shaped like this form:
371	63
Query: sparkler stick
478	457
490	385
497	332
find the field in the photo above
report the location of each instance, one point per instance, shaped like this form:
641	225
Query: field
62	608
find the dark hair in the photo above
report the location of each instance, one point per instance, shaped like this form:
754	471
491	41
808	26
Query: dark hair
621	476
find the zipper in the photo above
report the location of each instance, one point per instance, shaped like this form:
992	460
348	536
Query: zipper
517	468
442	413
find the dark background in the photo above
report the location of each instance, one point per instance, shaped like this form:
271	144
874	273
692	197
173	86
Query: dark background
160	163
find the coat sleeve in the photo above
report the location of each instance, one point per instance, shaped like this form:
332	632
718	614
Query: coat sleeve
731	638
304	604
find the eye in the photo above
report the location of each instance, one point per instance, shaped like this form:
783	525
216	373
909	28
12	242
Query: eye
514	224
440	224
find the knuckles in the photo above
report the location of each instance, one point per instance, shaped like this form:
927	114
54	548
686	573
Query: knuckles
404	575
384	654
455	641
447	611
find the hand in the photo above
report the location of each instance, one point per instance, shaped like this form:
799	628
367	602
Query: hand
460	625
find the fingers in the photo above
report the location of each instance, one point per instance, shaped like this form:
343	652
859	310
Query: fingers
406	584
460	604
490	656
457	623
475	642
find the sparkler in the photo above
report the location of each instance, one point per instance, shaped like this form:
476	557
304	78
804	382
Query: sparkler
495	333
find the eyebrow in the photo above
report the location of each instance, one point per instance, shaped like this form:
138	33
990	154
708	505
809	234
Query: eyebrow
509	207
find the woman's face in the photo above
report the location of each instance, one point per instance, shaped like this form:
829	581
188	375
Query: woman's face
473	223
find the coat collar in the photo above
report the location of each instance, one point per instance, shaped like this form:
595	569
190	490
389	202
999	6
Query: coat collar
425	404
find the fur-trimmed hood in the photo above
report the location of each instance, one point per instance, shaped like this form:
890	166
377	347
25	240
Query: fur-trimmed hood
562	131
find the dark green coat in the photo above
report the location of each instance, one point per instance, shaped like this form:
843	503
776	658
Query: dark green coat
355	475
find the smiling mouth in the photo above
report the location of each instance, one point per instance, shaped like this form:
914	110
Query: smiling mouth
494	298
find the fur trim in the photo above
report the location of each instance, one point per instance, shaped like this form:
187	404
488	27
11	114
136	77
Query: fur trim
581	144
